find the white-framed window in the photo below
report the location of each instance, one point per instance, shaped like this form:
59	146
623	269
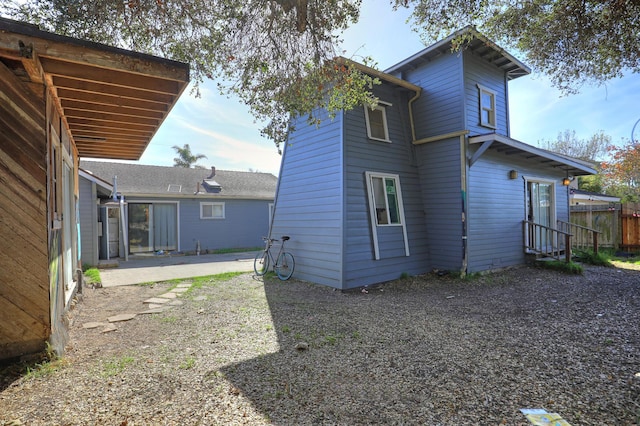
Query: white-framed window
211	210
487	107
385	207
376	119
385	200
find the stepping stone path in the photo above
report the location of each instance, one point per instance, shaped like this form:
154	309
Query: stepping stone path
121	317
155	305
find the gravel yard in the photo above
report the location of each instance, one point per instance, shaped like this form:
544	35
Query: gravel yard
423	350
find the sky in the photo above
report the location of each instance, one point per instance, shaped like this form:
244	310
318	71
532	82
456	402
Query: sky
223	129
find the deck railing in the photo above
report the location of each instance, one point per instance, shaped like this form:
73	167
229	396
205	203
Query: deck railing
583	237
546	241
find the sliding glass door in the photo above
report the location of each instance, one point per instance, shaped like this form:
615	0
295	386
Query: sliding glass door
152	227
541	211
139	225
541	203
164	227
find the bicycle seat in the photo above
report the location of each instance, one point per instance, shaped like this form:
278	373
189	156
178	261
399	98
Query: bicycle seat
285	238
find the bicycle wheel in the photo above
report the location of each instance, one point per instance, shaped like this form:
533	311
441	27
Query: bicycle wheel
261	263
284	266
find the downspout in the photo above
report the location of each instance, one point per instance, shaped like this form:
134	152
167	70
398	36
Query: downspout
114	192
275	197
391	79
124	227
411	122
464	201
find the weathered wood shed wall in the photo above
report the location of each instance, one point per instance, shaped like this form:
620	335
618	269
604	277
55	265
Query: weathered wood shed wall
24	292
54	94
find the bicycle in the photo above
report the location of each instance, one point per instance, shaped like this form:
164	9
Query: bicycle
283	262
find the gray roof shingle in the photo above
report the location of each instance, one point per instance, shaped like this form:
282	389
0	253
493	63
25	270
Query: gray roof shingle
138	179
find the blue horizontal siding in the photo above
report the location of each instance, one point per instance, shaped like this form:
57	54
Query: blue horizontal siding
478	71
397	157
440	108
245	222
309	201
497	207
440	175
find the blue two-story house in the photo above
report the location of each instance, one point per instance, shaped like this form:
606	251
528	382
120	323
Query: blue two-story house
429	179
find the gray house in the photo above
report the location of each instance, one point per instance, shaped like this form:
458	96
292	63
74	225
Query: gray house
91	189
429	179
147	209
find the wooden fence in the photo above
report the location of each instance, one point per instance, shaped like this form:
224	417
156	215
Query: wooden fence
619	224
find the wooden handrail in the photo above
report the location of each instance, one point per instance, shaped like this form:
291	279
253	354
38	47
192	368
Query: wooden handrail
545	240
579	232
559	231
575	225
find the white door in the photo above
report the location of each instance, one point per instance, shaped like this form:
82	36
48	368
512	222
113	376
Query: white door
114	233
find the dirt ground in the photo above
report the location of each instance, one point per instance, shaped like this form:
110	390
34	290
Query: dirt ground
422	350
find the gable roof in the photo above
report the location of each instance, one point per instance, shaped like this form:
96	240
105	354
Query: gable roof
102	186
180	182
479	45
113	100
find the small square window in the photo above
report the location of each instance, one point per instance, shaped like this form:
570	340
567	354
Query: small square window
211	210
376	119
487	107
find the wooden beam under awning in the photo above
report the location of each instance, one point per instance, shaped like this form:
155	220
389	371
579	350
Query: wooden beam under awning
112	100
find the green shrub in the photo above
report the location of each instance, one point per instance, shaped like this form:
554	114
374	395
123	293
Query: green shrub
92	276
588	256
566	267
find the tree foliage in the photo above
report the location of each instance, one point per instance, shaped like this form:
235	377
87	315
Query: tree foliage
185	158
593	183
623	172
277	55
572	41
593	149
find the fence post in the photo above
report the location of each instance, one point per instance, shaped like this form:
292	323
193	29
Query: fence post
567	245
595	243
617	232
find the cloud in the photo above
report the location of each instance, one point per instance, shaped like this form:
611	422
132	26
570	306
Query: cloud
539	111
236	150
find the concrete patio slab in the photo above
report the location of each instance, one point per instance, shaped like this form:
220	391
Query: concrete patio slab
147	269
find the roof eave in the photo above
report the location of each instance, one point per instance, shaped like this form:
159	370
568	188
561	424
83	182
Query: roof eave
576	166
112	100
97	180
520	68
379	74
598	197
200	195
